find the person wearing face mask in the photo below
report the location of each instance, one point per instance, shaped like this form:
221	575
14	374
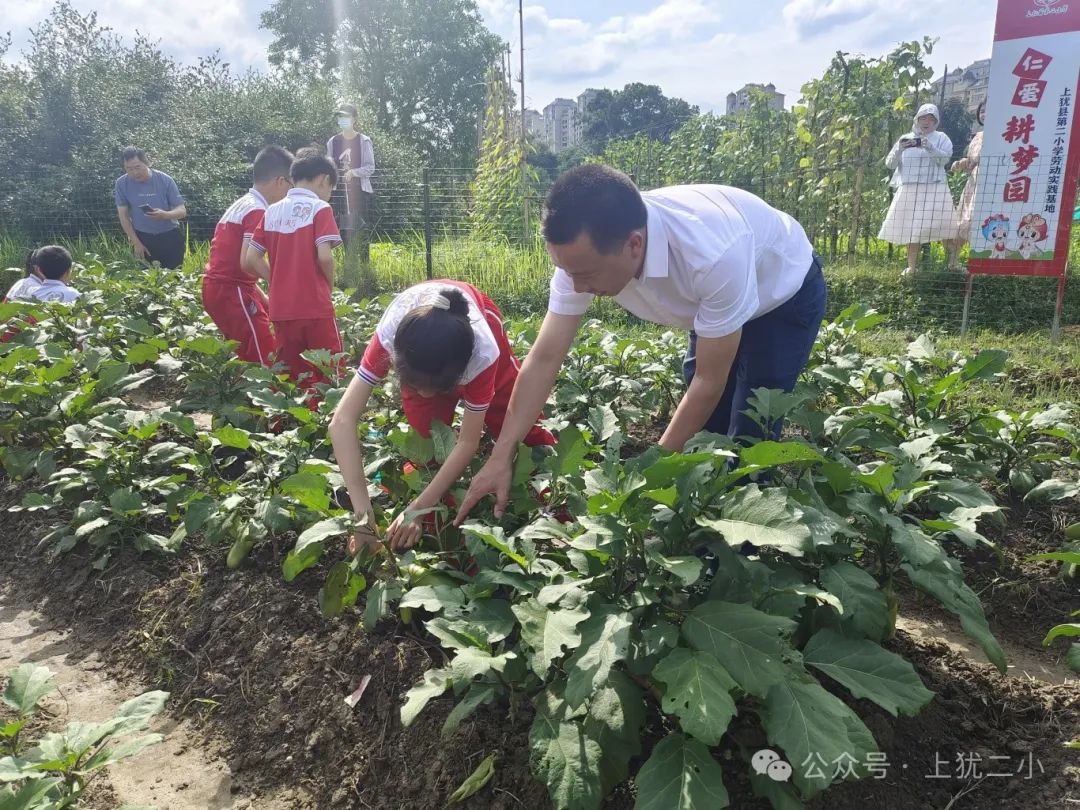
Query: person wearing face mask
922	210
969	164
354	157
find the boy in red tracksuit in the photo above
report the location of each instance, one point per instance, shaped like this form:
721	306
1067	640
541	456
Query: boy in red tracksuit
300	233
231	296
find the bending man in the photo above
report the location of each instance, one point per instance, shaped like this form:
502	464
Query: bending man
741	276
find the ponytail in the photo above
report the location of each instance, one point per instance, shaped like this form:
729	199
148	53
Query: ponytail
434	342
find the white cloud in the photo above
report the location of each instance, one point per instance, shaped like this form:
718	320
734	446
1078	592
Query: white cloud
185	31
194	28
695	50
574	52
674	18
495	12
568	27
809	17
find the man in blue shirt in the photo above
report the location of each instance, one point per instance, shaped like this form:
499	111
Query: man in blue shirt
150	206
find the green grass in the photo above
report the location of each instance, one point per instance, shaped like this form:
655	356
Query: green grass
517	277
1038	373
1009	313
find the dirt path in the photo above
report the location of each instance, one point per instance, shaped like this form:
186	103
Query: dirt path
177	774
1022	663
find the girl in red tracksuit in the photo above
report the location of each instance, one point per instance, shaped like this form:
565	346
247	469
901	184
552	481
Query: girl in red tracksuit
447	342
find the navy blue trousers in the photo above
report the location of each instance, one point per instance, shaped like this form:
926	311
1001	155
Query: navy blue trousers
772	353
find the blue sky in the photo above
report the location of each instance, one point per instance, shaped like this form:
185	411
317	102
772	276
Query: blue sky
696	49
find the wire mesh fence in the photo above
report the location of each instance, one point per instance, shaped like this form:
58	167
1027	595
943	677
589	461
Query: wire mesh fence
423	222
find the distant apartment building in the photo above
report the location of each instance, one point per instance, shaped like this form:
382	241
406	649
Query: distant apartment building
583	102
562	123
561	128
739	101
966	85
534	124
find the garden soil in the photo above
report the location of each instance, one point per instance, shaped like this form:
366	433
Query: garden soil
258	679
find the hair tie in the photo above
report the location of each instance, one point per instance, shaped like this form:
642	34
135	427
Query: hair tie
440	301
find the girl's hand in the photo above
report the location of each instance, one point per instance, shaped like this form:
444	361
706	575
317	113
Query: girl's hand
403	535
365	536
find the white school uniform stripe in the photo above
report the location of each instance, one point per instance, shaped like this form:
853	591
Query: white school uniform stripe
251	326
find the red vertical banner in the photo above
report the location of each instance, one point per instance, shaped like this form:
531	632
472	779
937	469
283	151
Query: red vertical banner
1031	144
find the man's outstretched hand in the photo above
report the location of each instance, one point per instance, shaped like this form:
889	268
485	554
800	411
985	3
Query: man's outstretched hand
494	478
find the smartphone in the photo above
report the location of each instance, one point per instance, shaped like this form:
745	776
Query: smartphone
146	209
910	142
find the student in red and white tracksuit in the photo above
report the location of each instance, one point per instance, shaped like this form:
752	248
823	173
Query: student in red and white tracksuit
299	232
447	342
231	296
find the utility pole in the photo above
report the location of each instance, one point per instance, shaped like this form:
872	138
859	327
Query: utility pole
508	83
524	144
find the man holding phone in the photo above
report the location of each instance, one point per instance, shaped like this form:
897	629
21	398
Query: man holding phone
150	206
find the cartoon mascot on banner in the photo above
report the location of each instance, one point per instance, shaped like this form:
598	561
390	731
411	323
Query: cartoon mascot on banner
1033	228
995	230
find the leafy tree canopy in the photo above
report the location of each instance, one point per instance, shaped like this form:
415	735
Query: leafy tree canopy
418	65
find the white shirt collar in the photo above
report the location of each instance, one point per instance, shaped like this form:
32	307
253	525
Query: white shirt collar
303	192
258	197
656	245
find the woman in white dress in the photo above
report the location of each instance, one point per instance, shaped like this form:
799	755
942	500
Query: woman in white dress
968	164
922	210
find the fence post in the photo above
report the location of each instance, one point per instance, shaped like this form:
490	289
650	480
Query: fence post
967	305
426	180
1059	306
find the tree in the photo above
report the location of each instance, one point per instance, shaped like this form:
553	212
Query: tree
543	160
821	162
637	109
418	65
849	119
569	158
956	122
81	93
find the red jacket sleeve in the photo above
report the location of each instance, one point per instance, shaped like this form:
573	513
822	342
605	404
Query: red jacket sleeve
326	229
258	237
252	220
477	395
376	362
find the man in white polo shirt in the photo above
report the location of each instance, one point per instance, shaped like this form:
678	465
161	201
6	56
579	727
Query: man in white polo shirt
739	275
